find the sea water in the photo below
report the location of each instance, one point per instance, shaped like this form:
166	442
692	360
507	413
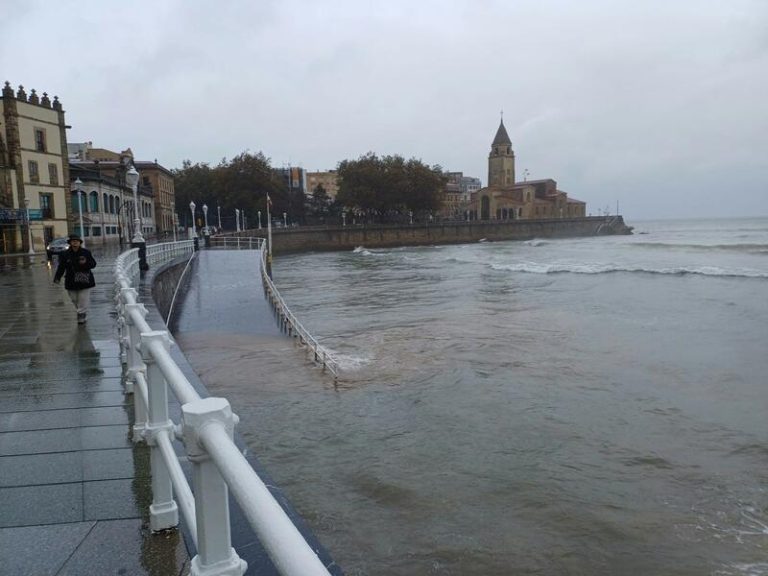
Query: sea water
553	406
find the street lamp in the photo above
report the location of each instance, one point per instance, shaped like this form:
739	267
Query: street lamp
259	219
29	227
132	179
205	215
218	209
343	218
285	220
410	212
237	219
79	185
242	216
192	209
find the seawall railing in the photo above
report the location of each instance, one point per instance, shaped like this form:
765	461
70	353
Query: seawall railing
206	431
287	320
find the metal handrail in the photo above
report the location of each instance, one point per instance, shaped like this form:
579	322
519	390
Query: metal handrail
207	432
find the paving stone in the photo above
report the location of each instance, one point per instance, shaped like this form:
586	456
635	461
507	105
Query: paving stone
33	505
113	499
40	550
131	549
38	469
66	418
110	465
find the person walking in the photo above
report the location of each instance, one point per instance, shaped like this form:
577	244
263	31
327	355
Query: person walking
75	264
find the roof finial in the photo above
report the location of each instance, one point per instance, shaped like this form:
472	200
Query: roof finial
502	115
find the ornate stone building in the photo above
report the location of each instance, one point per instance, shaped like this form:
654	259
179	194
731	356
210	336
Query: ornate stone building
34	175
506	199
156	187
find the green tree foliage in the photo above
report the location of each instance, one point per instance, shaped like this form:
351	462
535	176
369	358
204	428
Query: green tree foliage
241	183
387	188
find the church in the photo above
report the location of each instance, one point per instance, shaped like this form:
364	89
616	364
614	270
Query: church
505	199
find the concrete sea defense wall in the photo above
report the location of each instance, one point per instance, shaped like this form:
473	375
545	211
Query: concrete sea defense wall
381	236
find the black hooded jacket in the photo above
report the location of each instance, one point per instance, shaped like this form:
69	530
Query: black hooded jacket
71	262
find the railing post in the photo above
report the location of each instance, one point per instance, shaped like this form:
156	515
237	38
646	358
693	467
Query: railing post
135	364
215	555
163	512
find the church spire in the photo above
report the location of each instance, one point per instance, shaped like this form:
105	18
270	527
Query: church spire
502	138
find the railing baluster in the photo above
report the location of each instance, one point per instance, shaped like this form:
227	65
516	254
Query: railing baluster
212	495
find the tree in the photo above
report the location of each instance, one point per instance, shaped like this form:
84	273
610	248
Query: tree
384	188
241	183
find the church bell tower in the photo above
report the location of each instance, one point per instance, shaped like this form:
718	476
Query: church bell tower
501	160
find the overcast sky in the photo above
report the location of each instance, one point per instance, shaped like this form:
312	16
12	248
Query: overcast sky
661	105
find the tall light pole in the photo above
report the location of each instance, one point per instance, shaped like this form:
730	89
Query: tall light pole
259	213
192	229
410	212
29	227
132	179
237	219
285	220
343	218
218	209
205	215
242	215
78	186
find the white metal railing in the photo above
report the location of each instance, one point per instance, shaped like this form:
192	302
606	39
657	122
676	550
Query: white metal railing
206	430
287	320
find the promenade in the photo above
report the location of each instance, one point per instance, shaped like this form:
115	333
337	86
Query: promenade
74	489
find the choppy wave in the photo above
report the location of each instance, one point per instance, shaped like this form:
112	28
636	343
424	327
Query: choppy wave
362	250
749	248
535	242
540	268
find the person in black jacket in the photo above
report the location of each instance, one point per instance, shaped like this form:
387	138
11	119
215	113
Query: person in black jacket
75	265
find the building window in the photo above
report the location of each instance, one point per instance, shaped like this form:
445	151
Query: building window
34	175
53	174
96	230
94	207
39	139
46	205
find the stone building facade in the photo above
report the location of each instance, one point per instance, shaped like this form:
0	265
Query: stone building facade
506	199
155	181
34	175
329	180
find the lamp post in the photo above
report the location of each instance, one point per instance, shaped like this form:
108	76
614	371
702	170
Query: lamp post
259	213
79	185
237	219
218	209
285	220
31	251
205	214
243	223
192	229
132	179
410	212
343	218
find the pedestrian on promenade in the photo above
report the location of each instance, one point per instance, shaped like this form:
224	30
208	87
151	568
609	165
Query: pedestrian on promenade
75	265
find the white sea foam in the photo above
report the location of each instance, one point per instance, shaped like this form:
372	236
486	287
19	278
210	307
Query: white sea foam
535	242
542	268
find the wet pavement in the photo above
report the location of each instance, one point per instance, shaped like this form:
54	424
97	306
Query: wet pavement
74	489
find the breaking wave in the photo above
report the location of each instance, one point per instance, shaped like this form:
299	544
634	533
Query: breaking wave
749	248
537	268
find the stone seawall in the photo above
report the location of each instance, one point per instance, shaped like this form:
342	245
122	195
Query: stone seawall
381	236
164	284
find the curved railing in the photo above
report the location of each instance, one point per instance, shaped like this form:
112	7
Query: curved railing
288	321
206	430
